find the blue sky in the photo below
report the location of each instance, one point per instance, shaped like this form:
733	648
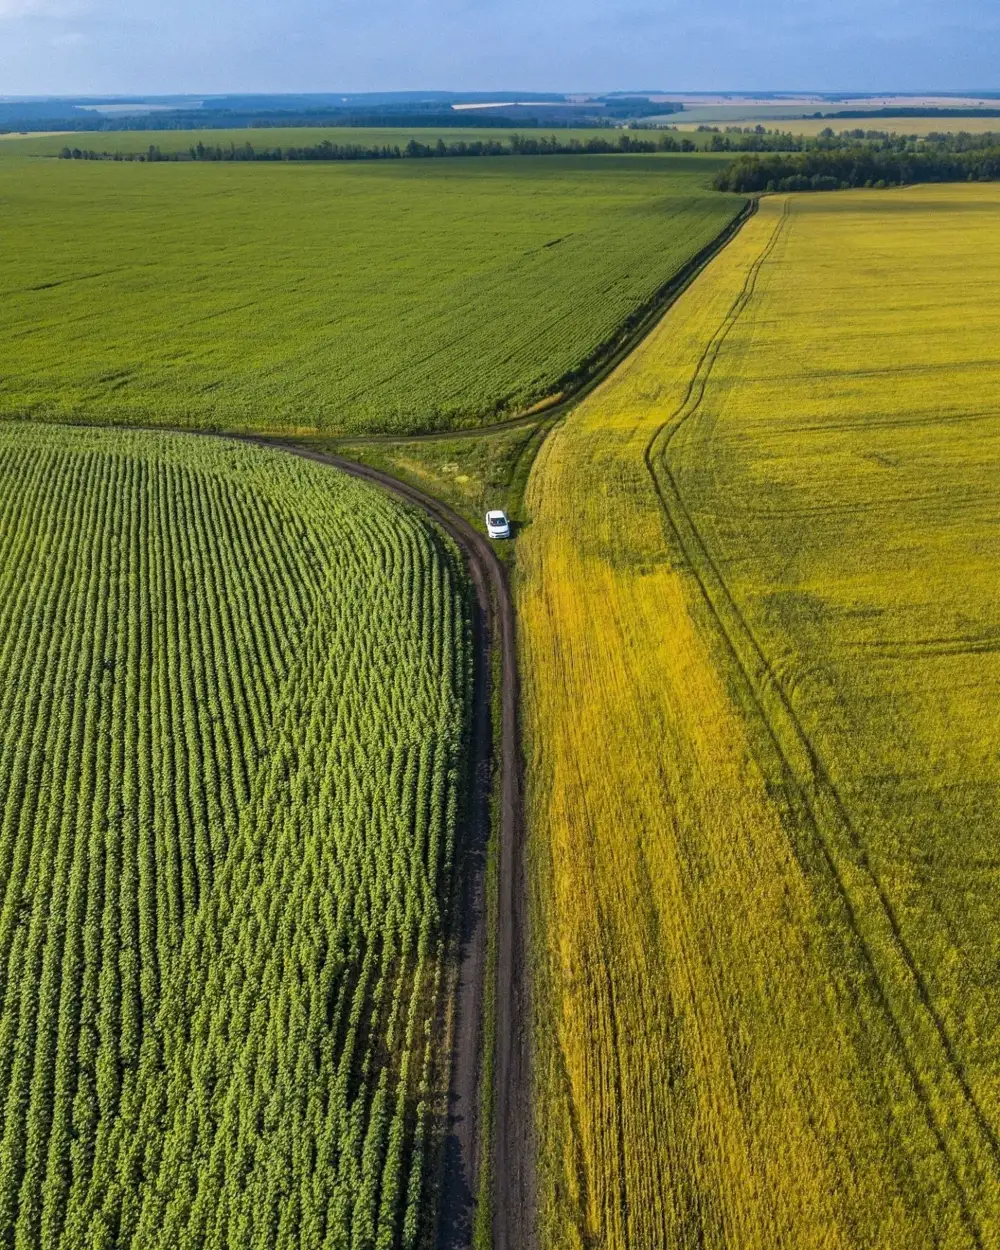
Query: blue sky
80	46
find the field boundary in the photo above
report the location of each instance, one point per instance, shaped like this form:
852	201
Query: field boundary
513	1181
873	922
602	362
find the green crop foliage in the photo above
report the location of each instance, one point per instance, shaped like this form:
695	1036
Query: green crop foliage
233	690
399	295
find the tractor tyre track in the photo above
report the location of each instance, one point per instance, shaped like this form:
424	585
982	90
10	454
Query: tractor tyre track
818	788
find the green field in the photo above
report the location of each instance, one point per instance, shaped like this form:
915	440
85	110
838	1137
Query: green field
229	816
379	295
758	635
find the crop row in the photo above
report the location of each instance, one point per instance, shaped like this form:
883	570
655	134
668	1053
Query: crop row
230	767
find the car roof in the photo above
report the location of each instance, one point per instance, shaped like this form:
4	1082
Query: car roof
495	516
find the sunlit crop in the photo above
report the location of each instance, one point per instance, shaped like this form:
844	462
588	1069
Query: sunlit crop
231	752
760	623
385	295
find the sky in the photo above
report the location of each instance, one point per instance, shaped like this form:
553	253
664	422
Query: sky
65	47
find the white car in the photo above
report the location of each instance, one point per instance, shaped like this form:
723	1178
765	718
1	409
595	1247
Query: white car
497	525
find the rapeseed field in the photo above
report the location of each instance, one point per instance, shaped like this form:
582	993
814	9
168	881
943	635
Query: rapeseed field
761	632
233	744
399	295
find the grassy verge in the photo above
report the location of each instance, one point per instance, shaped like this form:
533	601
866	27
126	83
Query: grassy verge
469	474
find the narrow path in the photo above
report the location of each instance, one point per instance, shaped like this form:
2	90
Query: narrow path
513	1140
513	1154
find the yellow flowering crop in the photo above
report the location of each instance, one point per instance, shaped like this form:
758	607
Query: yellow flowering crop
761	630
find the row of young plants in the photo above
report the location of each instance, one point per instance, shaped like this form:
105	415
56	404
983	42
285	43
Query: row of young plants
234	698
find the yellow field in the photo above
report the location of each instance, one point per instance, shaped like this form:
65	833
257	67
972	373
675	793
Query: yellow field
921	126
761	639
38	134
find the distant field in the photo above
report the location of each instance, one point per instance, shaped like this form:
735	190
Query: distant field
784	119
894	125
762	691
26	144
920	126
232	752
736	114
404	295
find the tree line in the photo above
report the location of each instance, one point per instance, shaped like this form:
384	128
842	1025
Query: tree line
757	139
515	145
819	170
21	118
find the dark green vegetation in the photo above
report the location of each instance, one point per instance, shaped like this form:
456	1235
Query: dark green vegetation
945	114
853	159
229	815
396	295
758	139
172	142
325	150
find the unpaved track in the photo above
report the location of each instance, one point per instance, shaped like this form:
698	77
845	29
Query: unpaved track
513	1181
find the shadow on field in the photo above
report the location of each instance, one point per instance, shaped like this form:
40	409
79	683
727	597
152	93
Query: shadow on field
455	1228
